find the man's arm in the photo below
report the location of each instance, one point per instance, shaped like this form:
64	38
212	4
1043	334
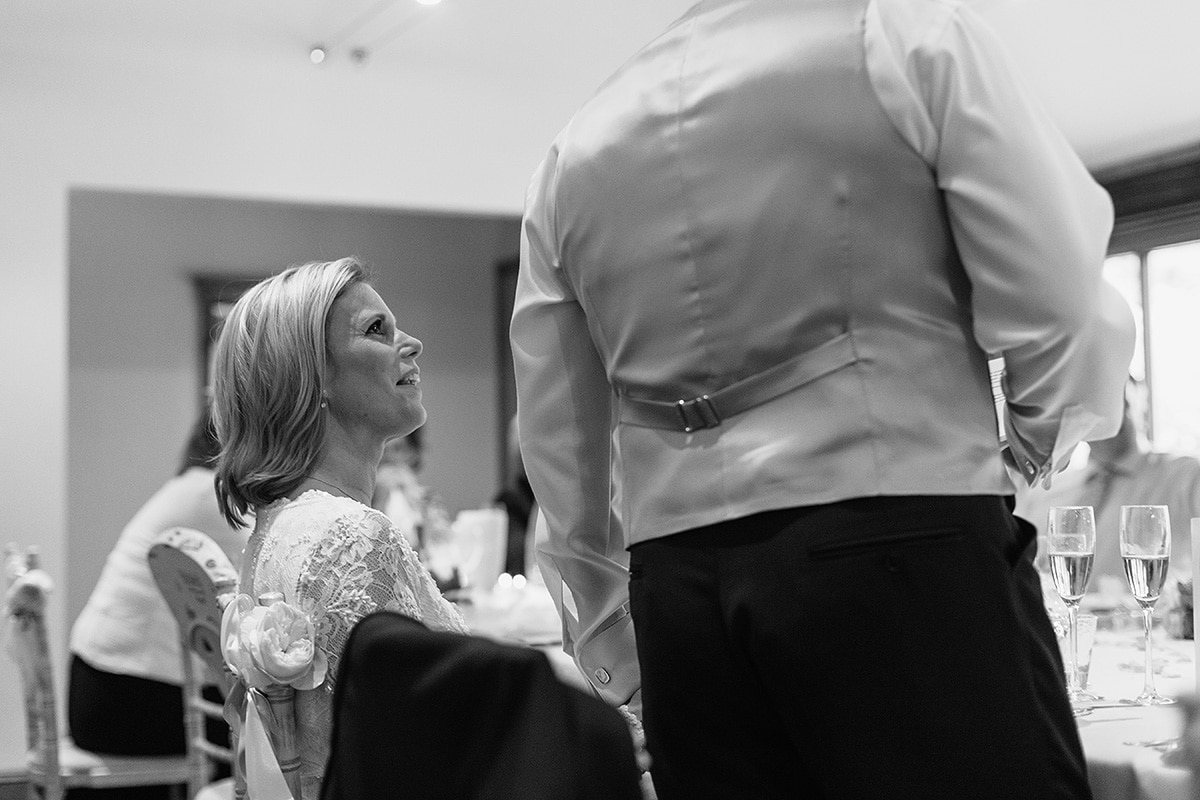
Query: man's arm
1030	223
565	425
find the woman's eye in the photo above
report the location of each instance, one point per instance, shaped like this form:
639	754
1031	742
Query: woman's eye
376	327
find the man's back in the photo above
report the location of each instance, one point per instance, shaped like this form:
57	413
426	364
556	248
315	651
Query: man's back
760	269
735	197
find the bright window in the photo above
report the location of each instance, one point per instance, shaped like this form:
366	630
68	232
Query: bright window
1162	286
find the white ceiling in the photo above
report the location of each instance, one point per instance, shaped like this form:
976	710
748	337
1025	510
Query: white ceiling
1120	76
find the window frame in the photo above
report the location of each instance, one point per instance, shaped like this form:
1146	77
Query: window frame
1156	203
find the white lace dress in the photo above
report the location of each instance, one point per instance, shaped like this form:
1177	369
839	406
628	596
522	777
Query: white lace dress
339	560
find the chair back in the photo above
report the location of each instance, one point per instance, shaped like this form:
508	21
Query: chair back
197	579
54	763
422	713
25	612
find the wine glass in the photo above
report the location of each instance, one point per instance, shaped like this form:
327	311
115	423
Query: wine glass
1146	549
1071	540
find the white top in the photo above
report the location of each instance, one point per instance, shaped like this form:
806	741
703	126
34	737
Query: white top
126	626
1029	223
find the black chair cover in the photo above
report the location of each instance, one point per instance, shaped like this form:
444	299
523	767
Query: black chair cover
429	714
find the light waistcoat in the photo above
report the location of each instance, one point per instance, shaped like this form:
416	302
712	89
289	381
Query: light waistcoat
733	242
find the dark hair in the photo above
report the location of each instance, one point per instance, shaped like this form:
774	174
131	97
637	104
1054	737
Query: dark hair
202	445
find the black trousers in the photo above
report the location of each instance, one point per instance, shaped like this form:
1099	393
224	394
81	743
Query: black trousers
126	715
887	647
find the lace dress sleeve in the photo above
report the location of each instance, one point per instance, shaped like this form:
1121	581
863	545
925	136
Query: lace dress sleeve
339	561
362	565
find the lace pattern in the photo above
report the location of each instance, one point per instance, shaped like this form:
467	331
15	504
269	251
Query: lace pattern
338	560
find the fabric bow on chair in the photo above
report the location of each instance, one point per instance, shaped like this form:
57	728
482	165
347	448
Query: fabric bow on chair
270	648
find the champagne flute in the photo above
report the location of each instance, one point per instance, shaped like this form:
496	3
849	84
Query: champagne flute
1146	549
1071	539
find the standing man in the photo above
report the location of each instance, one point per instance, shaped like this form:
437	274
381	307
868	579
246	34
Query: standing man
762	270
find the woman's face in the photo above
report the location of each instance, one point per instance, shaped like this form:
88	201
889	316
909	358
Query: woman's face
373	385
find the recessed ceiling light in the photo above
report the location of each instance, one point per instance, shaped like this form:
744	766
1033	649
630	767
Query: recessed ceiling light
429	2
317	54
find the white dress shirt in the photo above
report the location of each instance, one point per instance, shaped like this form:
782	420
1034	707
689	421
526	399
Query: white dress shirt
1018	199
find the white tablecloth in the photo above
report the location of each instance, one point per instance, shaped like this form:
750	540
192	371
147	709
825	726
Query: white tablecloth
522	615
1118	770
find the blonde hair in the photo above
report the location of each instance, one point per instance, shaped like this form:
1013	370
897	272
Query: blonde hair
269	383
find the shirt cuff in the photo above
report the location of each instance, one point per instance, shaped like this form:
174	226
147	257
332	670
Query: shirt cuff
608	660
1075	425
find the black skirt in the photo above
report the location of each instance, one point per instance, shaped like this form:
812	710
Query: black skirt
126	715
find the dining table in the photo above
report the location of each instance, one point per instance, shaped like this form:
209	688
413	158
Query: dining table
519	611
1131	750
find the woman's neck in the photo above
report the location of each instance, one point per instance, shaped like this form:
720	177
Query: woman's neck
312	481
346	471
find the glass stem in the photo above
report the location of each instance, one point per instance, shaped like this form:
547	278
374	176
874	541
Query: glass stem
1073	633
1147	621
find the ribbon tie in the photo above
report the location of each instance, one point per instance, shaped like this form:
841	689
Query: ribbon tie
270	648
245	711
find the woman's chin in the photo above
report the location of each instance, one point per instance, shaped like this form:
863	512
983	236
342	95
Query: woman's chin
413	420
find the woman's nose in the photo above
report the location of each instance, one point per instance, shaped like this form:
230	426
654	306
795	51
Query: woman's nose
410	346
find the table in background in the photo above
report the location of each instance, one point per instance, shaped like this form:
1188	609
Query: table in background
522	615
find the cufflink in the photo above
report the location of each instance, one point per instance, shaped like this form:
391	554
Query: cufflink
602	676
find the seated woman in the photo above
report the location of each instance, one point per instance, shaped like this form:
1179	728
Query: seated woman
311	381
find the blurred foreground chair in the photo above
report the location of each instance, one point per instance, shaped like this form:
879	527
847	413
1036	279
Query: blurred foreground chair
53	762
197	579
429	714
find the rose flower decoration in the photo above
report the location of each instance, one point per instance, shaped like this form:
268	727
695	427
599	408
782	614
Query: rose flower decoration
271	644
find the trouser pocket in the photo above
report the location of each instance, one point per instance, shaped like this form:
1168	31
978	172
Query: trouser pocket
886	541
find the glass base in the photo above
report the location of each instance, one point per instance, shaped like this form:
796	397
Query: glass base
1082	696
1149	699
1170	748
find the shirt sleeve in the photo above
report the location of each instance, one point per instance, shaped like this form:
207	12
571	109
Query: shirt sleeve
1030	223
565	424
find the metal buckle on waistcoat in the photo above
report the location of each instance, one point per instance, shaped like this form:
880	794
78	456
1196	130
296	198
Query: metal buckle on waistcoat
698	413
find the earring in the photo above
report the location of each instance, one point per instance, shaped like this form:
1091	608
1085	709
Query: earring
324	403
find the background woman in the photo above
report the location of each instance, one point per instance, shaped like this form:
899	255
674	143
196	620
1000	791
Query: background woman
311	381
125	643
